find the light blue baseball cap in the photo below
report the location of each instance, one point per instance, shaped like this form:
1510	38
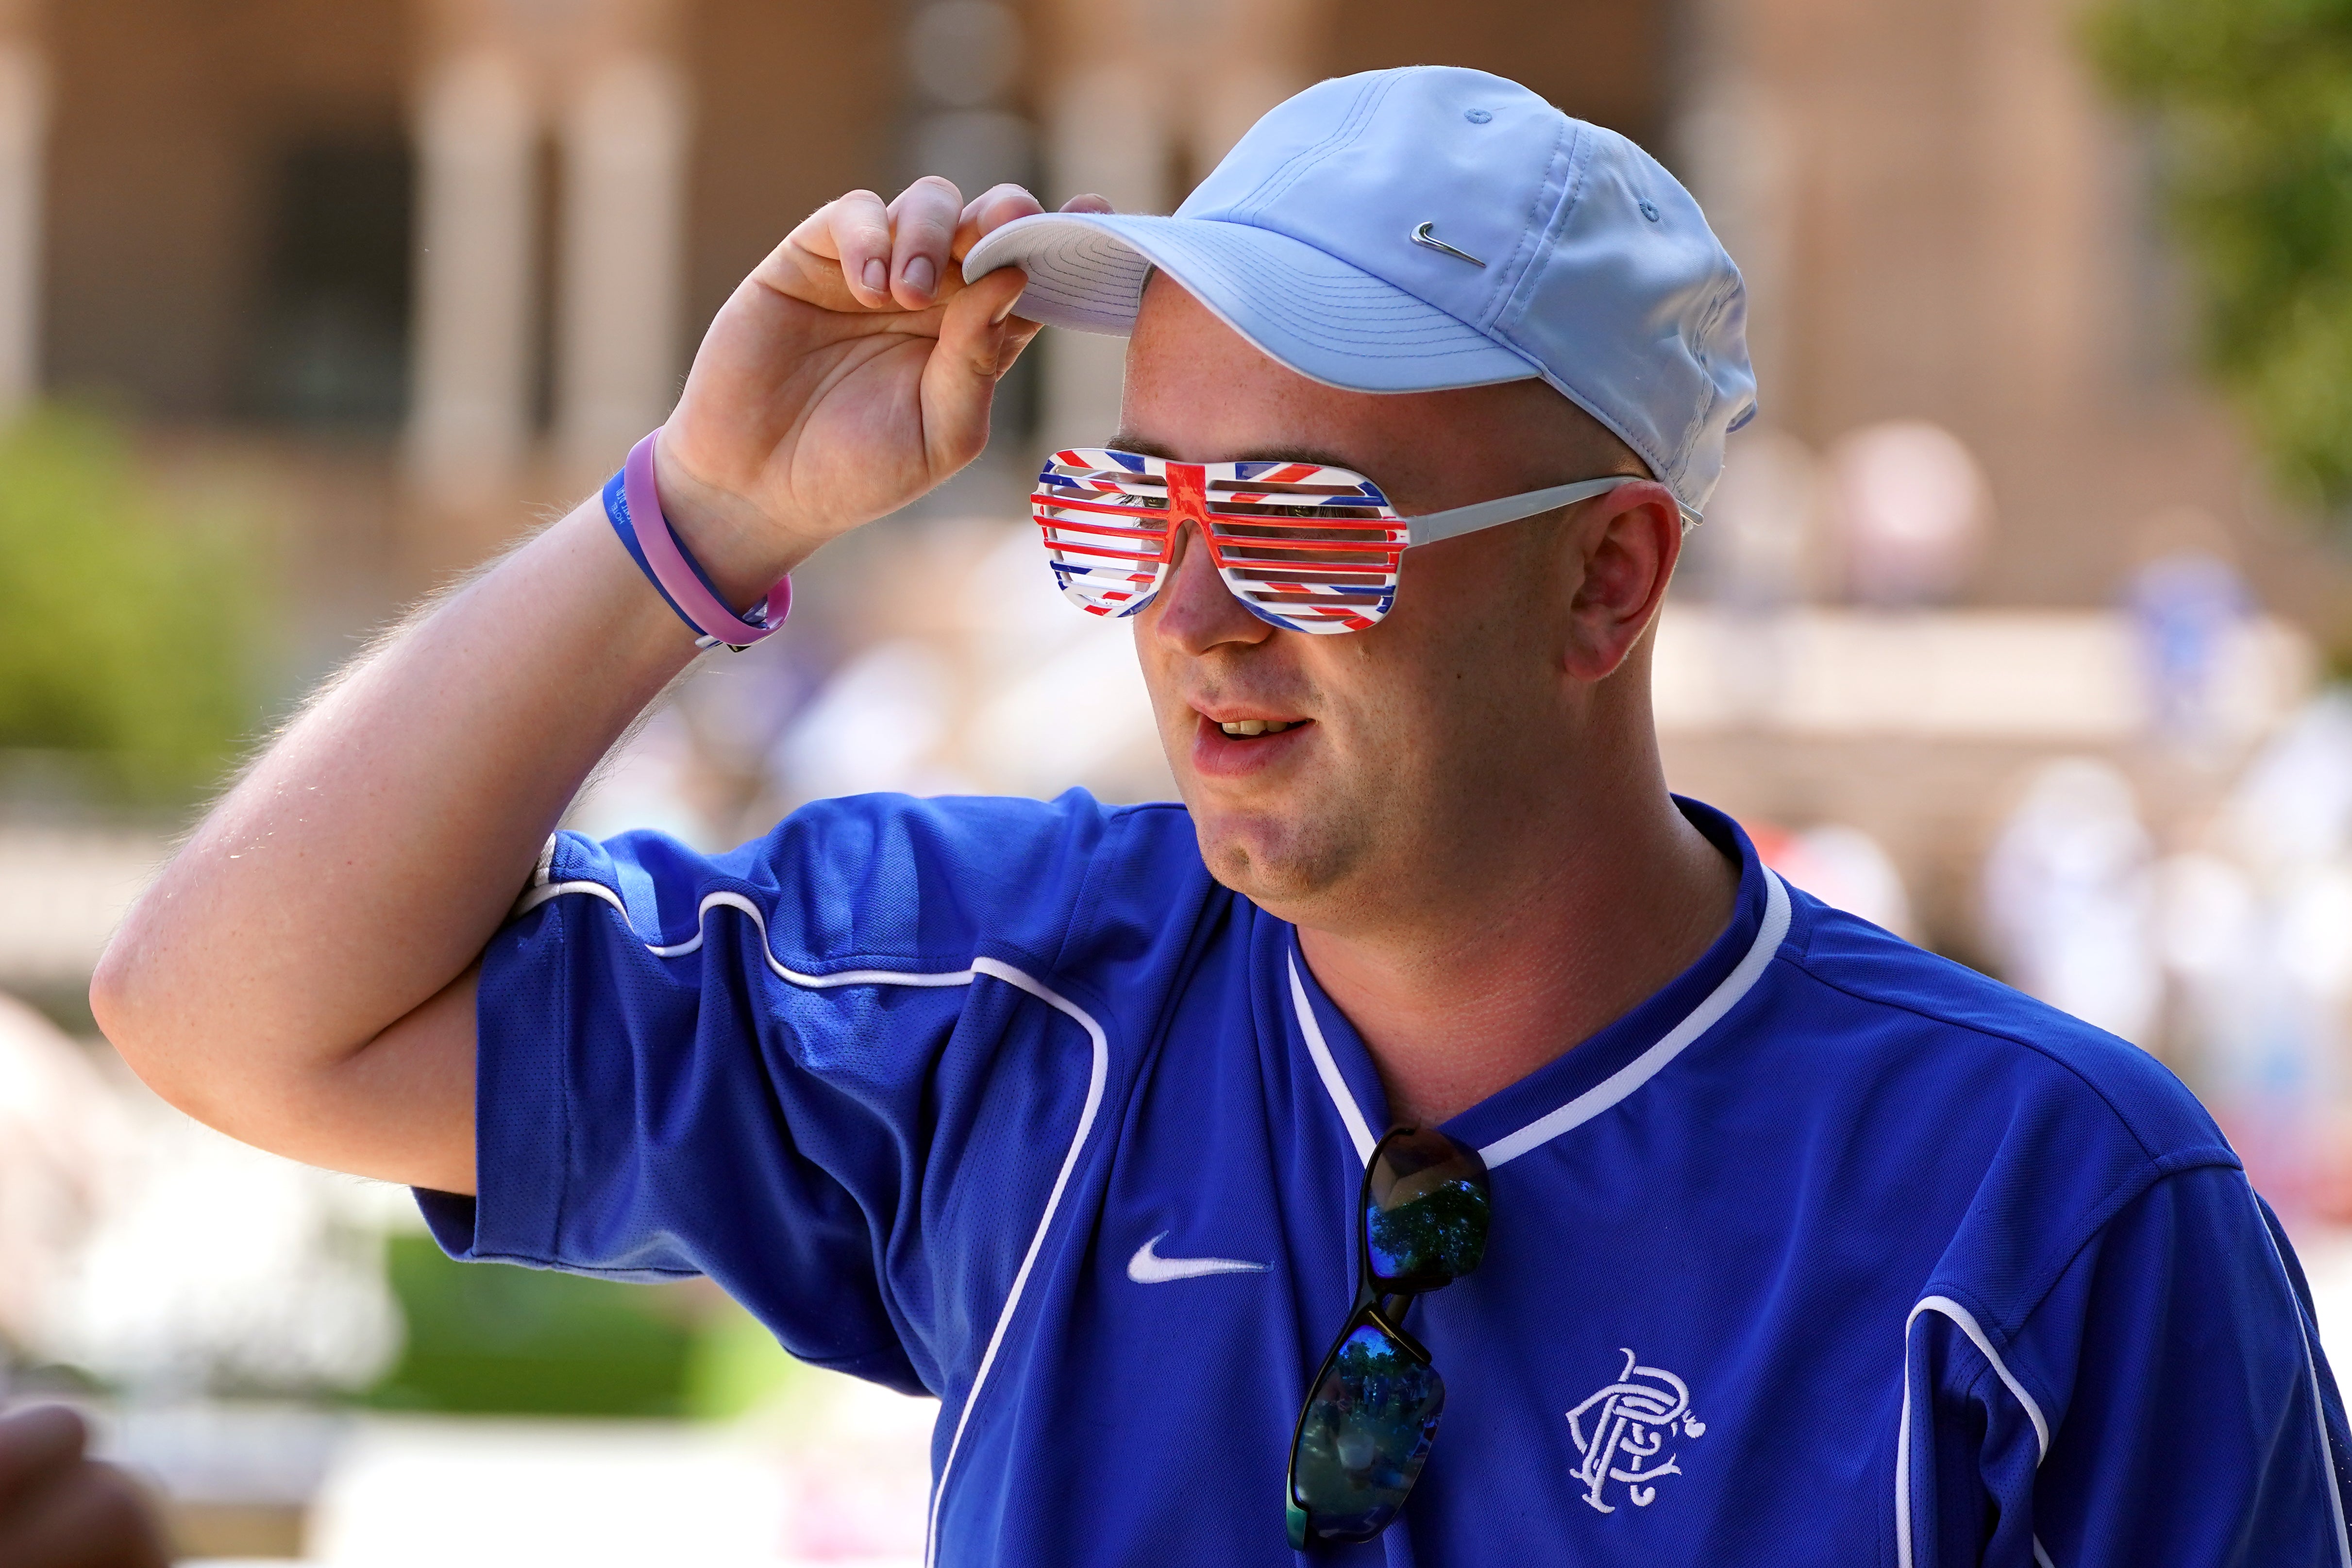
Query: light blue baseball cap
1430	227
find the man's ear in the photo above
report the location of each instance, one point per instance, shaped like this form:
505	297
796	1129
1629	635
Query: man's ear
1621	555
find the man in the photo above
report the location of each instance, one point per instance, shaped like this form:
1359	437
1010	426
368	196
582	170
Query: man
1799	1245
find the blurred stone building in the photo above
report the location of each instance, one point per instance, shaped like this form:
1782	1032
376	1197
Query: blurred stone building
432	264
441	256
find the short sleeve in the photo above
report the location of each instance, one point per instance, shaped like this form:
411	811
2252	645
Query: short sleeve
2166	1402
764	1065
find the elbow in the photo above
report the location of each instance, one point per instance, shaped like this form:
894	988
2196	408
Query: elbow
123	1001
114	997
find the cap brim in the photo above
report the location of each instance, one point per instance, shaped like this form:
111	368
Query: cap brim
1308	310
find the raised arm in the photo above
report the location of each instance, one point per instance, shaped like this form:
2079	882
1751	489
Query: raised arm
301	974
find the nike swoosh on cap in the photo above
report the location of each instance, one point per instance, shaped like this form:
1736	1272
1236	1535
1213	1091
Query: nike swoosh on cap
1148	1267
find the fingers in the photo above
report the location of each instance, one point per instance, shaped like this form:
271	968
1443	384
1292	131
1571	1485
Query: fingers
901	254
36	1445
854	231
88	1516
975	345
992	210
923	223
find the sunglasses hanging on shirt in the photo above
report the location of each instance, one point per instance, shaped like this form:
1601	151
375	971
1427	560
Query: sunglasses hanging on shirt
1372	1412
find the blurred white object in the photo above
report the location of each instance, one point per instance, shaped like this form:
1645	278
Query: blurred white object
2327	1257
2293	803
1848	869
2069	898
241	1453
1912	503
162	1256
850	1485
214	1265
2258	933
2209	916
2216	934
456	1494
859	1459
65	1149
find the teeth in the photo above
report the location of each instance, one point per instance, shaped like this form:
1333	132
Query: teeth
1254	726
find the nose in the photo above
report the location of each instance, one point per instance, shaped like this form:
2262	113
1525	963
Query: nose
1196	611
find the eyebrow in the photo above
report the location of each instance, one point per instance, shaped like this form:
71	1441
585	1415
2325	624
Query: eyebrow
1126	443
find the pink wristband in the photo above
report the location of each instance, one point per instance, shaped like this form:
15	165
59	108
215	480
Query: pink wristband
702	608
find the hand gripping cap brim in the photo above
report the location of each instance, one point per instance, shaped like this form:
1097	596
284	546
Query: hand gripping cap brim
1324	319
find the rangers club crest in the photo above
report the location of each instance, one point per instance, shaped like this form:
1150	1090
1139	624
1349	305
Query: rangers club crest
1624	1429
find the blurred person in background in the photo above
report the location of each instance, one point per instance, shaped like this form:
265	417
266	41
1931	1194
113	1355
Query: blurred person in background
1716	1224
59	1509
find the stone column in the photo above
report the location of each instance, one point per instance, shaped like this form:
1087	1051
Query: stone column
1140	79
1249	55
24	126
1739	147
623	268
1107	133
476	142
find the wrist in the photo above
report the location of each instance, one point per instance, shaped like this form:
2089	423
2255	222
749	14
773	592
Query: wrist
632	506
738	547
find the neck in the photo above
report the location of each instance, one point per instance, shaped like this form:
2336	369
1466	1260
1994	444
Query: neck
1593	906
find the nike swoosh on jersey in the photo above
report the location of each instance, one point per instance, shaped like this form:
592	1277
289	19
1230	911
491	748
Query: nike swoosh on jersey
1148	1267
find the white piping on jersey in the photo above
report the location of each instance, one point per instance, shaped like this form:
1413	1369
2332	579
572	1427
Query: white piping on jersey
2318	1408
995	970
539	896
1770	934
1335	1086
1086	1020
1960	1315
1967	1321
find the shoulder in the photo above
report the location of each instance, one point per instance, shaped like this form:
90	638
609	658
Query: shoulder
2018	1131
1952	1025
894	878
977	838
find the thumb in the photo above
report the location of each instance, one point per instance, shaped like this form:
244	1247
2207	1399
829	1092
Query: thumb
960	380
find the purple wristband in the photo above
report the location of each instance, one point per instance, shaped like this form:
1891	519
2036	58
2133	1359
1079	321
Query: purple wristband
675	573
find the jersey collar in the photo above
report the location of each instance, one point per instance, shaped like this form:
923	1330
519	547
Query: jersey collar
1565	1093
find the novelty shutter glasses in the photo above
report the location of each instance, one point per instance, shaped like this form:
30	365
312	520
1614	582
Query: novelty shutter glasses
1305	547
1372	1412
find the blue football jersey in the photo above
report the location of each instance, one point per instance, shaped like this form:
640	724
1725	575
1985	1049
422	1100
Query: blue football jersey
1830	1252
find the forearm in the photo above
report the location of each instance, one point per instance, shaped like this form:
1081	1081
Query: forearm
363	864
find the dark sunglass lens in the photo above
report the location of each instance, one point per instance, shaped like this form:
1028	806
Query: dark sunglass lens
1363	1438
1425	1210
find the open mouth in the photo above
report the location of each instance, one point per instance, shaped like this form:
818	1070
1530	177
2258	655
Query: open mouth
1246	728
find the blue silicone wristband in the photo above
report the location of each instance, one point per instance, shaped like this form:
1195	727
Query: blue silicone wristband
616	512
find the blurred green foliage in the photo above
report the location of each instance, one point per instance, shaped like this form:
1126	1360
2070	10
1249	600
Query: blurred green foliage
2253	104
491	1339
128	635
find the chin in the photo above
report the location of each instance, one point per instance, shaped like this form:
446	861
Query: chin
1278	865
